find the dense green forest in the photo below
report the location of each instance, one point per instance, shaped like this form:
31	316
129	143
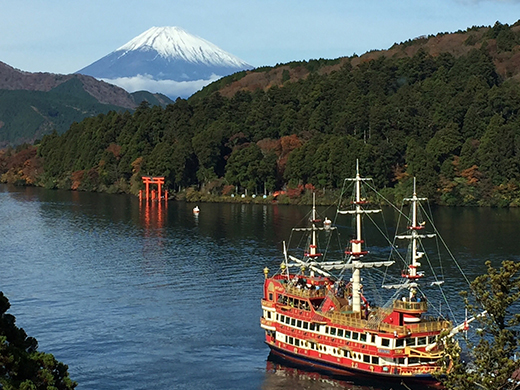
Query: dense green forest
450	121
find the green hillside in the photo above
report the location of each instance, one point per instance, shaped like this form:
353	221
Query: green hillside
28	115
449	120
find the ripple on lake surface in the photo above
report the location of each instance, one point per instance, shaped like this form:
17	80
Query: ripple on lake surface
157	298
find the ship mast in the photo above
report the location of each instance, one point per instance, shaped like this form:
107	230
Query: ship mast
313	245
357	251
311	257
411	273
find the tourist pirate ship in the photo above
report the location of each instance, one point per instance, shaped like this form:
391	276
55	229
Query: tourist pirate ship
317	312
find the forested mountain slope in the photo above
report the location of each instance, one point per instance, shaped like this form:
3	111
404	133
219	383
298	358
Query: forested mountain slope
449	118
499	42
35	104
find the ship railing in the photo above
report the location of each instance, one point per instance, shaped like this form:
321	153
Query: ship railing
305	292
391	328
376	317
420	327
354	320
350	319
434	325
268	303
411	306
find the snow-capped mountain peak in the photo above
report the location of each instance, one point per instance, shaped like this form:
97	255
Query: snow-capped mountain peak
176	43
168	60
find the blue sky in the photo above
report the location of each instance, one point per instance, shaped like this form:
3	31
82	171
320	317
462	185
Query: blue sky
61	36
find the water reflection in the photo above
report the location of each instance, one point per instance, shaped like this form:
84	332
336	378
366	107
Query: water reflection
153	214
128	295
280	375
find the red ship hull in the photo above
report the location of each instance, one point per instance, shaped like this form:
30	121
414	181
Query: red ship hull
346	372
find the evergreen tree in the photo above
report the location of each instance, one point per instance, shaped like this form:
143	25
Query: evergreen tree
492	358
22	366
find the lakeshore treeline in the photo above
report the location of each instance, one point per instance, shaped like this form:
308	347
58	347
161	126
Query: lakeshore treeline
450	120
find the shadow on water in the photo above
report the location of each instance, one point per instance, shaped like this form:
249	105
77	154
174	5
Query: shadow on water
282	375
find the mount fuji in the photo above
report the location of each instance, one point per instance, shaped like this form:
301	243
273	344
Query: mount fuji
167	60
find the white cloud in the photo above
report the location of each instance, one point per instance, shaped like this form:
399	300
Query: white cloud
170	88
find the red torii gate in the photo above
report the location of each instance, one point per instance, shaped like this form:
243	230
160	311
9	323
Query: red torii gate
147	180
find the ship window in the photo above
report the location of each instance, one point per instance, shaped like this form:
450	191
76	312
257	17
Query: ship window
347	334
282	318
399	343
297	342
340	332
410	341
326	329
299	324
375	360
413	360
366	358
287	320
269	314
333	331
270	296
291	340
400	360
421	341
431	339
293	321
355	336
305	325
385	342
363	337
311	326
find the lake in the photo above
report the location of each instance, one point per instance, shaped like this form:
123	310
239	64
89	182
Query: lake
134	297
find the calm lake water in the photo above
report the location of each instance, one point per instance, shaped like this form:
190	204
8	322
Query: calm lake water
140	298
